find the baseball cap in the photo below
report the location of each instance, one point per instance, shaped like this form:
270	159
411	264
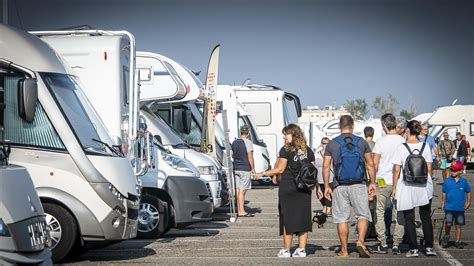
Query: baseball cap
456	166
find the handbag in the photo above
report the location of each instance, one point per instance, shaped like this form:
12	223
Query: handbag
307	176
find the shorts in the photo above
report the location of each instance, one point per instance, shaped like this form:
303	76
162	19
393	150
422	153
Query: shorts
444	164
462	159
350	197
435	164
243	180
454	217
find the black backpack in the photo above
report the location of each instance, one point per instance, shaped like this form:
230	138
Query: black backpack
307	176
415	169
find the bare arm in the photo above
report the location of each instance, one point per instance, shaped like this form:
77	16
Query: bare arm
250	158
396	174
369	162
443	199
376	161
468	201
326	172
278	170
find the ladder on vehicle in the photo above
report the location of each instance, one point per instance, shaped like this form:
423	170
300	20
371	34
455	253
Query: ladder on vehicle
230	169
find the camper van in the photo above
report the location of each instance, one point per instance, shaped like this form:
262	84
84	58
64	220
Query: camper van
270	108
160	73
453	119
88	191
24	235
173	193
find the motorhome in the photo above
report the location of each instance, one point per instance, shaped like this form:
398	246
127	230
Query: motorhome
173	192
270	108
453	119
89	193
24	236
237	116
161	73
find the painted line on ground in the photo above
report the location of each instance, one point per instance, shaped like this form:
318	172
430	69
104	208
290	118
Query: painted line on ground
446	255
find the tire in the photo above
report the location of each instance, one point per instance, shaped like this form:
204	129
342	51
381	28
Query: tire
63	230
153	217
171	221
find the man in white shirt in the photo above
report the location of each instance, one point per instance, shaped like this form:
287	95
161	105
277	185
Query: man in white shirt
383	153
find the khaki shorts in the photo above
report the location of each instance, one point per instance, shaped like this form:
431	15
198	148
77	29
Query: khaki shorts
350	197
243	180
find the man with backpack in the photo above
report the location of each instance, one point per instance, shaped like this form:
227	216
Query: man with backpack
350	156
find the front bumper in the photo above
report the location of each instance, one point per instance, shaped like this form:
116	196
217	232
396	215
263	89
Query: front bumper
120	225
191	200
42	257
216	187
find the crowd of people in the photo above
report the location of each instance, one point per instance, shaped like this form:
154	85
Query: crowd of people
395	174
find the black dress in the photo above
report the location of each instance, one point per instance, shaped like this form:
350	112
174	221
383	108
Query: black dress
294	205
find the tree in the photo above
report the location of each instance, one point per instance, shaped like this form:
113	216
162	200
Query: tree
357	108
407	114
385	105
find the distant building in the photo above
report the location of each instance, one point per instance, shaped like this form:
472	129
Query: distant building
316	114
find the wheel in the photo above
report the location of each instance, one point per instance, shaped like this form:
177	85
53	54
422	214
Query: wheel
63	230
153	217
171	221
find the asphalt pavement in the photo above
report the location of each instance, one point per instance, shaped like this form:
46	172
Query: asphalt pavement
255	240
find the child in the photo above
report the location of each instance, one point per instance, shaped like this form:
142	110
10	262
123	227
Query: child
454	202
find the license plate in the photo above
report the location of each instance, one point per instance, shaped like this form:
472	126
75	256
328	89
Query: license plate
38	235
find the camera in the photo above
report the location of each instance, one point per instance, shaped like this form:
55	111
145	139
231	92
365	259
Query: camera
320	218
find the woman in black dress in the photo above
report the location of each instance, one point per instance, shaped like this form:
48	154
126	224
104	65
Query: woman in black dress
294	205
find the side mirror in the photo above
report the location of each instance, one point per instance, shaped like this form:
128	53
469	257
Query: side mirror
158	138
27	98
187	118
142	123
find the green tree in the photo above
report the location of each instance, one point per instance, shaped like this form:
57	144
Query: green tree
385	105
407	114
357	108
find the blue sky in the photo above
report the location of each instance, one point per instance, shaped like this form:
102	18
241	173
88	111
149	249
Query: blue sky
325	51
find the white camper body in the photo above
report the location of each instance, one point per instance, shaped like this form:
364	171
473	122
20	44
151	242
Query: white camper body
269	107
453	119
171	139
237	116
84	186
172	195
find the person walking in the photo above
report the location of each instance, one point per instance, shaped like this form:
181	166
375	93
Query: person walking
327	204
446	150
433	147
294	205
383	154
456	199
242	154
461	148
349	155
369	136
409	193
401	126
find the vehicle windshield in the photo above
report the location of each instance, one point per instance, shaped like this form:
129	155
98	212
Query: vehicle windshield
82	118
195	78
168	135
290	113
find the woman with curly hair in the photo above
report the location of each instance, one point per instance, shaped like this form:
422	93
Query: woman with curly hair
294	205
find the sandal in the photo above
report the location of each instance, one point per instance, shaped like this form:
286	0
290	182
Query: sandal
246	215
340	256
363	252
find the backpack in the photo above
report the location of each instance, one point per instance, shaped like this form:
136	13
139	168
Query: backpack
349	165
307	176
415	169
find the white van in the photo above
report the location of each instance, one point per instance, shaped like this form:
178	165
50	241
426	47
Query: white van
89	193
173	193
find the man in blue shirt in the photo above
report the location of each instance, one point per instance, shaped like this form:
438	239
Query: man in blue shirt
455	200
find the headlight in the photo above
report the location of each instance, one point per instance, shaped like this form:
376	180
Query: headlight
175	162
115	191
3	229
207	170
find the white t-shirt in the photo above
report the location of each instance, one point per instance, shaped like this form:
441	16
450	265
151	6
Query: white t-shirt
386	147
410	195
319	158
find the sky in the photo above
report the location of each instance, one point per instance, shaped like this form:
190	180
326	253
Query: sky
327	52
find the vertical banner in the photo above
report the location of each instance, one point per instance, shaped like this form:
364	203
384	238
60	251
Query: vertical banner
208	124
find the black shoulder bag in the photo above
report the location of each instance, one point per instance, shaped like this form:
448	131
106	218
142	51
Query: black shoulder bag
307	176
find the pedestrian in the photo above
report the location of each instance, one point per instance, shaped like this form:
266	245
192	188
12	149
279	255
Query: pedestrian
349	155
383	153
446	150
434	149
327	204
461	148
456	199
401	126
294	205
242	154
468	146
409	194
369	136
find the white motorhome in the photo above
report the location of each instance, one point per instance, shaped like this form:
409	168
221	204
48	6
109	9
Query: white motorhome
24	237
237	116
160	74
173	193
88	192
270	109
453	119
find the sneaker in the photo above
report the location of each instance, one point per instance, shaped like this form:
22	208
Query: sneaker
412	253
459	245
430	252
395	250
381	249
445	241
434	178
284	253
299	252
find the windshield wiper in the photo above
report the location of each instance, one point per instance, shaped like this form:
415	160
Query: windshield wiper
181	145
108	147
